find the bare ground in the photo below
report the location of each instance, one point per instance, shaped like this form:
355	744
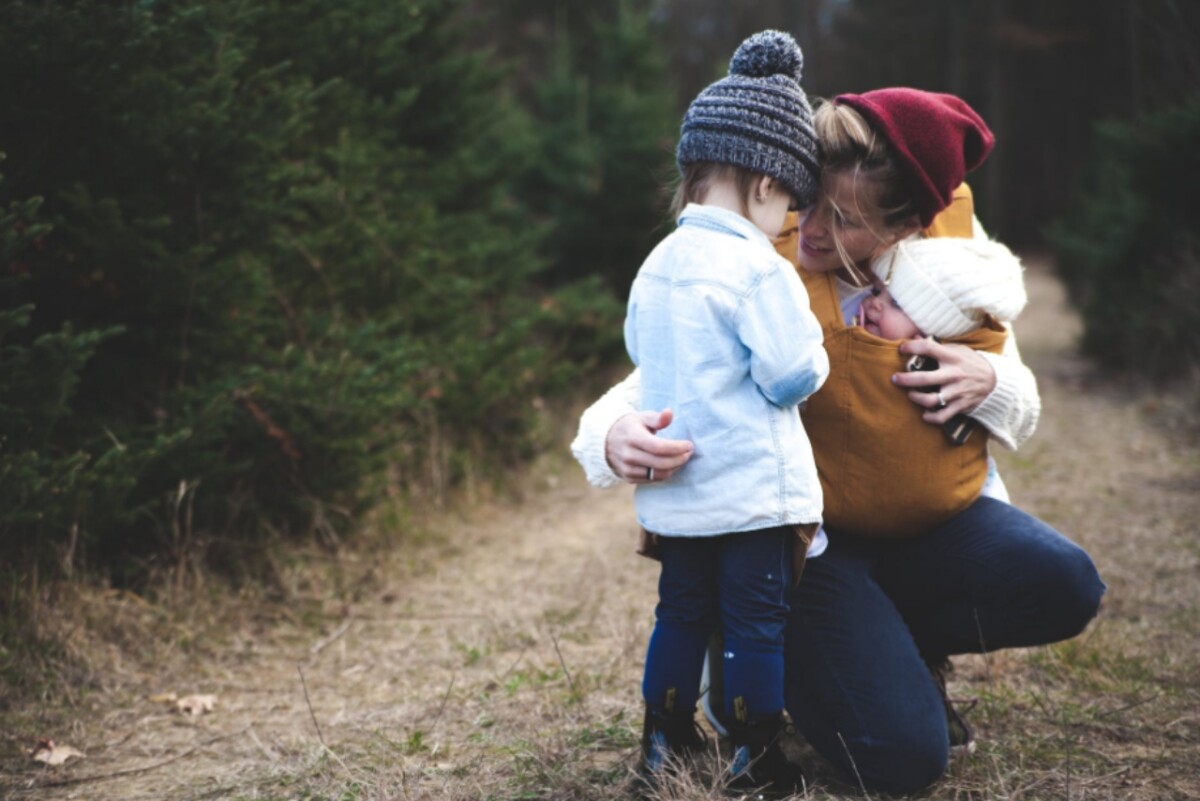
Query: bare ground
494	651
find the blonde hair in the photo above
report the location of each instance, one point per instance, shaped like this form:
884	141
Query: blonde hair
698	177
849	146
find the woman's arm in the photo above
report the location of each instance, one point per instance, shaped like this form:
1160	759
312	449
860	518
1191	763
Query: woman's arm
998	391
1011	411
616	442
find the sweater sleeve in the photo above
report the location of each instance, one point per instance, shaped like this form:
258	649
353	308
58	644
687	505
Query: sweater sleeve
594	424
1010	413
776	324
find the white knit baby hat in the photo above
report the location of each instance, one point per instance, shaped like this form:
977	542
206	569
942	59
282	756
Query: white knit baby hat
947	285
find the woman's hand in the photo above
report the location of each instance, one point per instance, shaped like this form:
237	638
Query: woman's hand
631	447
964	377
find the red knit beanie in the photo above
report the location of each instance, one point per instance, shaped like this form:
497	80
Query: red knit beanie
937	138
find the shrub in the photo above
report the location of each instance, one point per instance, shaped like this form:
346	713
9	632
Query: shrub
1130	253
607	126
280	252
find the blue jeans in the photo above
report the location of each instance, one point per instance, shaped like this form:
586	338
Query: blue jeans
868	611
734	583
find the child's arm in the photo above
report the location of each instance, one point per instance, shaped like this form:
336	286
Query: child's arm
787	359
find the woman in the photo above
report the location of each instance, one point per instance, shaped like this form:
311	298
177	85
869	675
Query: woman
873	619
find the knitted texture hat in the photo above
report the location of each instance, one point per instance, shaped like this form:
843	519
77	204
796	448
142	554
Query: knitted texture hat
757	118
947	285
937	139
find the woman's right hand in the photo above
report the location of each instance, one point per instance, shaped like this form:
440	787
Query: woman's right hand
631	447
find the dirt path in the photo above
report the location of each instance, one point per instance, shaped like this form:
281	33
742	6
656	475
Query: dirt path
452	654
498	655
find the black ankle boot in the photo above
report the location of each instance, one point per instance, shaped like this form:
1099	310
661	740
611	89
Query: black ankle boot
668	739
758	760
962	738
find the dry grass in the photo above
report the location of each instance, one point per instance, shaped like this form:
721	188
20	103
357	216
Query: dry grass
494	651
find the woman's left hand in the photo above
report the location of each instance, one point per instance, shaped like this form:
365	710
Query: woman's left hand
964	377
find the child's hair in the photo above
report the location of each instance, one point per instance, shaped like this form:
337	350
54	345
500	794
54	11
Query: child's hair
850	146
697	178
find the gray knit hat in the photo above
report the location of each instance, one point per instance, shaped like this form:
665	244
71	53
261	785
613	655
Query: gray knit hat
757	117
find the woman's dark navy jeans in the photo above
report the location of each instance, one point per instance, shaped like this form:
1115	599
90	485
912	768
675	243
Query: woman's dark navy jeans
868	612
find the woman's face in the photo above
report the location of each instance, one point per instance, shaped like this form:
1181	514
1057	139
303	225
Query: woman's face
839	215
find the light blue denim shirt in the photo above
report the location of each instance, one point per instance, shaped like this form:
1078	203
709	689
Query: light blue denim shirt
721	328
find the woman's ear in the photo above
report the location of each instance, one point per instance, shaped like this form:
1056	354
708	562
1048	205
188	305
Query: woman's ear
902	231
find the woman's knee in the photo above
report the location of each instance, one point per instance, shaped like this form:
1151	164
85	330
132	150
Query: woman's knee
894	765
1071	590
1051	580
895	746
908	768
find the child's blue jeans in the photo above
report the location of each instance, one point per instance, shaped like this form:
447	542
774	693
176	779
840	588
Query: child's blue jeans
736	583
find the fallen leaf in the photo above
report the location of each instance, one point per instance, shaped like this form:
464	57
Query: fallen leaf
164	698
196	704
46	751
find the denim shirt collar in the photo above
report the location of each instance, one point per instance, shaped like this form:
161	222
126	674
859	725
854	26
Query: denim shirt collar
714	218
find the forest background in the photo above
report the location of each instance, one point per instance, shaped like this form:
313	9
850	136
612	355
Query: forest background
266	264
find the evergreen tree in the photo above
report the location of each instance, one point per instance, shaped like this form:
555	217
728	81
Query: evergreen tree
1130	253
287	254
45	489
606	125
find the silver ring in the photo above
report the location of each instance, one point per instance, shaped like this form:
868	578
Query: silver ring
941	400
649	473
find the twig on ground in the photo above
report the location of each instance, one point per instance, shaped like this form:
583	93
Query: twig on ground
442	708
267	752
1070	750
1106	776
402	617
321	645
513	666
1129	706
1039	700
987	656
1026	790
854	765
563	662
120	742
311	713
324	746
144	769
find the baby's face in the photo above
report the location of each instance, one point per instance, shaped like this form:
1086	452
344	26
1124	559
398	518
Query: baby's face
883	318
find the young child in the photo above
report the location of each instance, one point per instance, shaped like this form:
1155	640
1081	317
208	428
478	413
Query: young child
721	328
957	290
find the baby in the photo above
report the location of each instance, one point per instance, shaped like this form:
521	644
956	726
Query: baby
943	288
961	291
